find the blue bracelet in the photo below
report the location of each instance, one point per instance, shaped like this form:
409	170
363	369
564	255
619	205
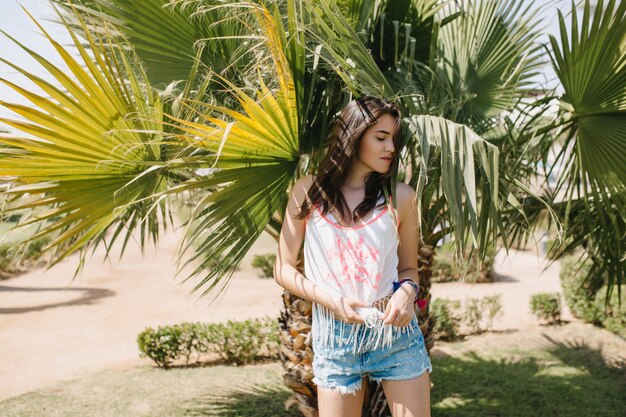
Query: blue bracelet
397	285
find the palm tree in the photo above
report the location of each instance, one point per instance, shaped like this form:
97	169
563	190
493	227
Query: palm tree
142	145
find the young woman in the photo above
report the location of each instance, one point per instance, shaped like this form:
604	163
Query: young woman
360	266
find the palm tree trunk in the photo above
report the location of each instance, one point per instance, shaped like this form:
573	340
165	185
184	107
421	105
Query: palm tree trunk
296	352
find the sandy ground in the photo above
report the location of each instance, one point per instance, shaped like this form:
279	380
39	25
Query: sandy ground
53	329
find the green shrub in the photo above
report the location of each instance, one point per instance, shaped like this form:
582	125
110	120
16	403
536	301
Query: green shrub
613	315
446	315
16	257
446	269
35	248
235	342
473	314
579	293
245	342
5	257
161	345
586	298
265	263
546	306
493	306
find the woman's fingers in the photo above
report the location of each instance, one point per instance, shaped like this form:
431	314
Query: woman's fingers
391	316
394	317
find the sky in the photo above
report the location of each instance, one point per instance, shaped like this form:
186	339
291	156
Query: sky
16	23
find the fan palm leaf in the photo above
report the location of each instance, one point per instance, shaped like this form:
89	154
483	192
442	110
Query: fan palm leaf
91	148
465	168
168	35
254	159
591	65
487	57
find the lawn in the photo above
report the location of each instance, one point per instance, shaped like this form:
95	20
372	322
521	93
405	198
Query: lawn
546	372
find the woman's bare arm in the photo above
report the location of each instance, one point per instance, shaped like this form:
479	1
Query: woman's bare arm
400	308
285	272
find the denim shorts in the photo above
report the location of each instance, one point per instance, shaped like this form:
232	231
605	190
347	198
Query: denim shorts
340	369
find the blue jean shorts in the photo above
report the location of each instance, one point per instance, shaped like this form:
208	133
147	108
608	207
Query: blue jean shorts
340	369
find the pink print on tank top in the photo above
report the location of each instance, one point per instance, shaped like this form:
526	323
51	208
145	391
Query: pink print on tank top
352	259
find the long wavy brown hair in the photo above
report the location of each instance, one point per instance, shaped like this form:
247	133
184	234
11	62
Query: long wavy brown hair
343	144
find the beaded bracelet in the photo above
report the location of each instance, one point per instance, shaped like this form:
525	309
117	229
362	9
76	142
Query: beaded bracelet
397	285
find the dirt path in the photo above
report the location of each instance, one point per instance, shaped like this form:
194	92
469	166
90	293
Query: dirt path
51	333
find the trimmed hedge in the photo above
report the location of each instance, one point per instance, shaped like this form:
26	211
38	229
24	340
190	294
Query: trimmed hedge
579	293
546	306
447	316
613	315
478	314
587	298
236	342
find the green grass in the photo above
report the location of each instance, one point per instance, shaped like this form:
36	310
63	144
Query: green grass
564	380
253	390
560	379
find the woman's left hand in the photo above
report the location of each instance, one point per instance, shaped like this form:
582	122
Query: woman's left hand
399	311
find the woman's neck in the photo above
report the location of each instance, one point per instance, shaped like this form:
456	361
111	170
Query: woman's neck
355	180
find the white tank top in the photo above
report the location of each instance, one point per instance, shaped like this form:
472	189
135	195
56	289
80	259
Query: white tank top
358	261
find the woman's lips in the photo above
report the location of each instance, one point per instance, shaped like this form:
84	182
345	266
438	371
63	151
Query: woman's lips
386	159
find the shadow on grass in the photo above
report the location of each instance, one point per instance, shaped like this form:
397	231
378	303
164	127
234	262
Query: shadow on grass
569	379
563	379
258	401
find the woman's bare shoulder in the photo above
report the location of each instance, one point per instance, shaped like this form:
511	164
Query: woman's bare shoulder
405	197
301	187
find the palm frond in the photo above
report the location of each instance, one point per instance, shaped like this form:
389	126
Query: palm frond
456	154
591	65
486	57
91	149
254	157
167	35
343	50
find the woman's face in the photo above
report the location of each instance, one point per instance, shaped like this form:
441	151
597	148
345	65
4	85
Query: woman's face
376	150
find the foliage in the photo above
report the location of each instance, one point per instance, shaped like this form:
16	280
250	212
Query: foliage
493	306
447	269
446	315
473	314
196	30
546	306
477	313
265	263
580	292
588	137
97	153
590	300
15	258
613	309
235	342
476	309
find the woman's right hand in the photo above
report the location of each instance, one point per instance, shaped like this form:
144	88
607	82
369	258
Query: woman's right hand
343	307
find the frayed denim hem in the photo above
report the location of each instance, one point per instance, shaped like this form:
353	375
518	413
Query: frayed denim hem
403	377
350	389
